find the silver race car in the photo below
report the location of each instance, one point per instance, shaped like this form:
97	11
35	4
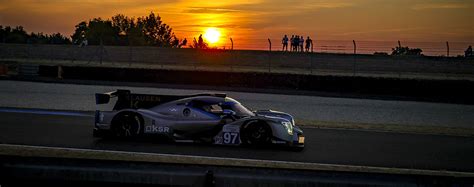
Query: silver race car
209	118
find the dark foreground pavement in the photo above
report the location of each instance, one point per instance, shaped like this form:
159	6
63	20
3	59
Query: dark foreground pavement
322	145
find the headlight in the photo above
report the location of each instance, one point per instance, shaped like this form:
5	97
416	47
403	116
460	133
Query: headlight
288	126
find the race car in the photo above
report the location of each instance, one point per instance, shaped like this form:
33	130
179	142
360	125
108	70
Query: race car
209	118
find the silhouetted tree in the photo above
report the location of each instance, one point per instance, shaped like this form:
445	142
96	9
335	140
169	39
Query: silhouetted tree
80	33
15	35
136	36
124	25
122	22
57	38
102	32
156	32
38	38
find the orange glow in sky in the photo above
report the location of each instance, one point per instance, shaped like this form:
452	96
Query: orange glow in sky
251	22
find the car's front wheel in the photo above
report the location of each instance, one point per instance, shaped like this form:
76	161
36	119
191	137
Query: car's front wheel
256	133
126	125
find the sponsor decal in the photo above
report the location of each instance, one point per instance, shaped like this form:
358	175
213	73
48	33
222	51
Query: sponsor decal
231	128
278	142
186	112
137	99
218	140
149	98
230	135
157	129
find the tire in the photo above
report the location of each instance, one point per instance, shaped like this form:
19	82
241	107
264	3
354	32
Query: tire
256	133
127	124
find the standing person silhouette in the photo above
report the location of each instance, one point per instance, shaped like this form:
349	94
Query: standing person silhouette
200	42
292	42
309	43
301	42
183	43
468	52
284	41
296	41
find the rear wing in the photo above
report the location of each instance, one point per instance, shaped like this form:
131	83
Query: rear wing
128	100
104	98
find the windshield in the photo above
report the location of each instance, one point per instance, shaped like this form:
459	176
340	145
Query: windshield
239	109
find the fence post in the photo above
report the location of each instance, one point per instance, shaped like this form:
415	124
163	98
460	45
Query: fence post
355	56
311	62
60	72
447	48
28	56
130	53
157	57
270	45
231	54
269	53
73	53
399	61
101	50
197	53
51	52
311	57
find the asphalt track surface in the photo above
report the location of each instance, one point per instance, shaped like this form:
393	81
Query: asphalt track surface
21	94
349	147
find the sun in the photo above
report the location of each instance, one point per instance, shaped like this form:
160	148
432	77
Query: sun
212	35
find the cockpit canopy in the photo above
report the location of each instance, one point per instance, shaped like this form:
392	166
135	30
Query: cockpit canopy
216	105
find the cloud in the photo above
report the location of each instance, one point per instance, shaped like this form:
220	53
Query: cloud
279	6
329	5
209	10
450	5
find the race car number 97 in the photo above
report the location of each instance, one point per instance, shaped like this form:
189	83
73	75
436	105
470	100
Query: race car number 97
230	137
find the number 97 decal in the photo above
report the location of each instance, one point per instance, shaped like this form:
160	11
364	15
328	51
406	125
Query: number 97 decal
231	138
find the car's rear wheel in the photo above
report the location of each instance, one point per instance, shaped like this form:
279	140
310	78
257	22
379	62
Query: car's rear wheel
127	124
256	133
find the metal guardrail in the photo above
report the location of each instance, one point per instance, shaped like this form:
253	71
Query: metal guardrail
29	70
23	164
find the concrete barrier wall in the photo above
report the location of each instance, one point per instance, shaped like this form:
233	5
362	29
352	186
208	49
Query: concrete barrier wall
303	62
456	91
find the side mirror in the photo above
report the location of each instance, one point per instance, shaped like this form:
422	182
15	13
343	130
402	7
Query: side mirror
228	112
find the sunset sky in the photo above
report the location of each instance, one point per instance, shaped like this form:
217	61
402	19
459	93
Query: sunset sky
252	22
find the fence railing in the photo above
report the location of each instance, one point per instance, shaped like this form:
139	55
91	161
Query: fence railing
243	60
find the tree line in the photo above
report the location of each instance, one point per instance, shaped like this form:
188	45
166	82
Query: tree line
123	30
19	35
118	30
